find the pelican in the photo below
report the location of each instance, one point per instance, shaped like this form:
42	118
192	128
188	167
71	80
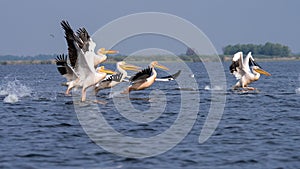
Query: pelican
115	79
85	42
87	74
144	78
73	79
245	70
82	57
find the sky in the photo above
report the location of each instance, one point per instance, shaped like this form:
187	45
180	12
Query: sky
32	27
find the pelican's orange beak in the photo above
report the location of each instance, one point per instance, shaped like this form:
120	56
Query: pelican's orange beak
261	71
103	70
156	64
131	67
104	51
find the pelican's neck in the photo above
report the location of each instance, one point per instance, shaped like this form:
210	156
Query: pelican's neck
99	76
256	75
154	73
102	56
122	70
99	58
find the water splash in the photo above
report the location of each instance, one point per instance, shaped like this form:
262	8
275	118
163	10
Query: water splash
298	90
207	87
13	91
11	98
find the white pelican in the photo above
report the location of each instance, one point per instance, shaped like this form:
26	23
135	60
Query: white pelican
73	79
88	75
85	42
115	79
82	57
144	78
245	70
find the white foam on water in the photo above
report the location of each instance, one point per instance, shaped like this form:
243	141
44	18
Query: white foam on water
298	90
14	90
207	87
11	98
3	92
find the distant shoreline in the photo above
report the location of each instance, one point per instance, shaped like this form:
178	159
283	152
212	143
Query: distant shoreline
224	59
26	62
267	59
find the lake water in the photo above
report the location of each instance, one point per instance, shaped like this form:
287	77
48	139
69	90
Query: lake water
39	127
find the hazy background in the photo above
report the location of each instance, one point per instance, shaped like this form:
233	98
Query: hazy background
32	27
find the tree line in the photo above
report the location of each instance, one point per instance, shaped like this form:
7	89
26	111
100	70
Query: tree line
269	49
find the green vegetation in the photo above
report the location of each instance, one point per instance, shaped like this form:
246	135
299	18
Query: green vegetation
268	49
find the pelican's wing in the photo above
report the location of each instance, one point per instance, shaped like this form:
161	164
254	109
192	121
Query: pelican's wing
70	37
109	81
83	34
117	78
85	64
85	37
142	75
64	68
236	67
246	62
169	78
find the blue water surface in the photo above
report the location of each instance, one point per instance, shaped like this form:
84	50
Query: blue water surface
39	127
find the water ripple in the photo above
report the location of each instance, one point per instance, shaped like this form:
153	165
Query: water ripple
257	130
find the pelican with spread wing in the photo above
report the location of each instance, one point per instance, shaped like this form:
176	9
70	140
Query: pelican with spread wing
246	70
82	58
115	79
85	42
144	78
73	79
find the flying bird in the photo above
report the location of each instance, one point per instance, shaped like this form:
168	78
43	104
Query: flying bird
145	78
246	70
85	42
73	78
82	58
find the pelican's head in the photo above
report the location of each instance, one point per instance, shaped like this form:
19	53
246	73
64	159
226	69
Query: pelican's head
255	67
127	66
102	69
103	51
157	65
260	71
